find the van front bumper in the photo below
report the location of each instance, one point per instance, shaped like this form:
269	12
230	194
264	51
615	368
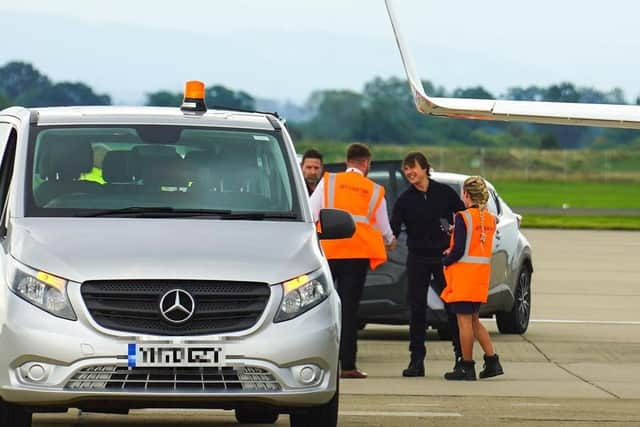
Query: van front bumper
56	363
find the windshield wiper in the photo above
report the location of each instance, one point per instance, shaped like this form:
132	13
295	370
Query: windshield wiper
259	215
157	212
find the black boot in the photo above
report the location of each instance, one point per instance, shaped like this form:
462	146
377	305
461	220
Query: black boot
456	367
492	367
415	369
466	372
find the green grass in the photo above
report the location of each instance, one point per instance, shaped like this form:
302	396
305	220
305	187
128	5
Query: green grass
574	194
535	178
582	222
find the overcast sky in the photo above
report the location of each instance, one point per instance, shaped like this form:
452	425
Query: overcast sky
285	49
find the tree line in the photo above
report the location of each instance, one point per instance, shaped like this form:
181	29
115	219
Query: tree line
383	112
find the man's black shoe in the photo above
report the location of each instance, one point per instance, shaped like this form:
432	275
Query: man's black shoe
492	367
415	369
464	371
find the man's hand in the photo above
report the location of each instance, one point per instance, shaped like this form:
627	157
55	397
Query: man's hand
391	246
446	252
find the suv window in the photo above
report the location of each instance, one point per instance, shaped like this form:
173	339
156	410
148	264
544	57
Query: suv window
5	131
496	201
78	169
8	138
491	204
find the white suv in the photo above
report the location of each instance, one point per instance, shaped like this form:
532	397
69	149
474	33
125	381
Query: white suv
384	298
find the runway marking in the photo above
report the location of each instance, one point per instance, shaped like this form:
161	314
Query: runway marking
398	414
587	322
535	404
413	404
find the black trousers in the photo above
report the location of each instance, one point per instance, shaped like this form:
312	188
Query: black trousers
349	276
420	272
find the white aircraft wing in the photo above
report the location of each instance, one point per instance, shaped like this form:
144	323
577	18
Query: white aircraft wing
606	115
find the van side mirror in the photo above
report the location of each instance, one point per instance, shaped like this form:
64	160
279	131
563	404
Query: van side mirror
336	224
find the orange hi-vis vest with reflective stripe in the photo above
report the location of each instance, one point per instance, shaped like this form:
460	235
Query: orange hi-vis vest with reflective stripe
361	197
468	278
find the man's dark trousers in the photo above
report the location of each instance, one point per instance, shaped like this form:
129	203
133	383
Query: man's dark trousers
349	276
419	272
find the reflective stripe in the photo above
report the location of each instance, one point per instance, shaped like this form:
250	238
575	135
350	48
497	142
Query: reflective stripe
331	190
466	257
374	198
475	260
360	218
331	194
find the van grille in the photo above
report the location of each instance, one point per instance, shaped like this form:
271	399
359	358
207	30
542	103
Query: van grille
134	306
168	380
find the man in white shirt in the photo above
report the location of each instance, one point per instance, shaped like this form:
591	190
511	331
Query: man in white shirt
349	259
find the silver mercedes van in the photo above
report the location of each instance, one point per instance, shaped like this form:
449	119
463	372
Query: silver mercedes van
162	257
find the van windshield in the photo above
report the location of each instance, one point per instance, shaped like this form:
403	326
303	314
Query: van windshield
160	170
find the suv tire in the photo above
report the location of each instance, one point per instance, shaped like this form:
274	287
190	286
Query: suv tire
256	415
14	416
319	416
516	321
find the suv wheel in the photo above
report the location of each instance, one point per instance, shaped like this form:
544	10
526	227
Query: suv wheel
14	416
319	416
257	415
516	321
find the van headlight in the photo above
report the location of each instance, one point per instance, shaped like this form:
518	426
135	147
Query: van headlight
301	294
41	289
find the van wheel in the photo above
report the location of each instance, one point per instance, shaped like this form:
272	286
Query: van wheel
256	415
14	416
319	416
516	321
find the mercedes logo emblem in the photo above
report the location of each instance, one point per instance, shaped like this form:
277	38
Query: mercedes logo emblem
177	306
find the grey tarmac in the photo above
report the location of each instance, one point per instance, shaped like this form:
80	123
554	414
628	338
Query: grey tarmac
577	365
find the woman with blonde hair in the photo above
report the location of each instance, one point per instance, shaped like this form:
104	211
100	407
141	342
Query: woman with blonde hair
467	271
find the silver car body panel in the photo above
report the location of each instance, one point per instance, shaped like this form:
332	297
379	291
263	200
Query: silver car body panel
194	249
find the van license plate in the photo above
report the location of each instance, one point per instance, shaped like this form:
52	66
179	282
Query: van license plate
175	355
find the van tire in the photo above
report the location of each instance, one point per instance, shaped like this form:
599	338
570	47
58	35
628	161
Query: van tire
256	415
516	321
319	416
14	416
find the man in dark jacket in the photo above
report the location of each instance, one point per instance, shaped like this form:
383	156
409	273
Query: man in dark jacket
423	208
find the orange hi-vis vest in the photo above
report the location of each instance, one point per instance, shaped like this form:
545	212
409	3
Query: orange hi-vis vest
468	278
361	197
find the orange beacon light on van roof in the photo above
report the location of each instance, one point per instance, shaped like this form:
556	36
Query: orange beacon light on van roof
193	96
